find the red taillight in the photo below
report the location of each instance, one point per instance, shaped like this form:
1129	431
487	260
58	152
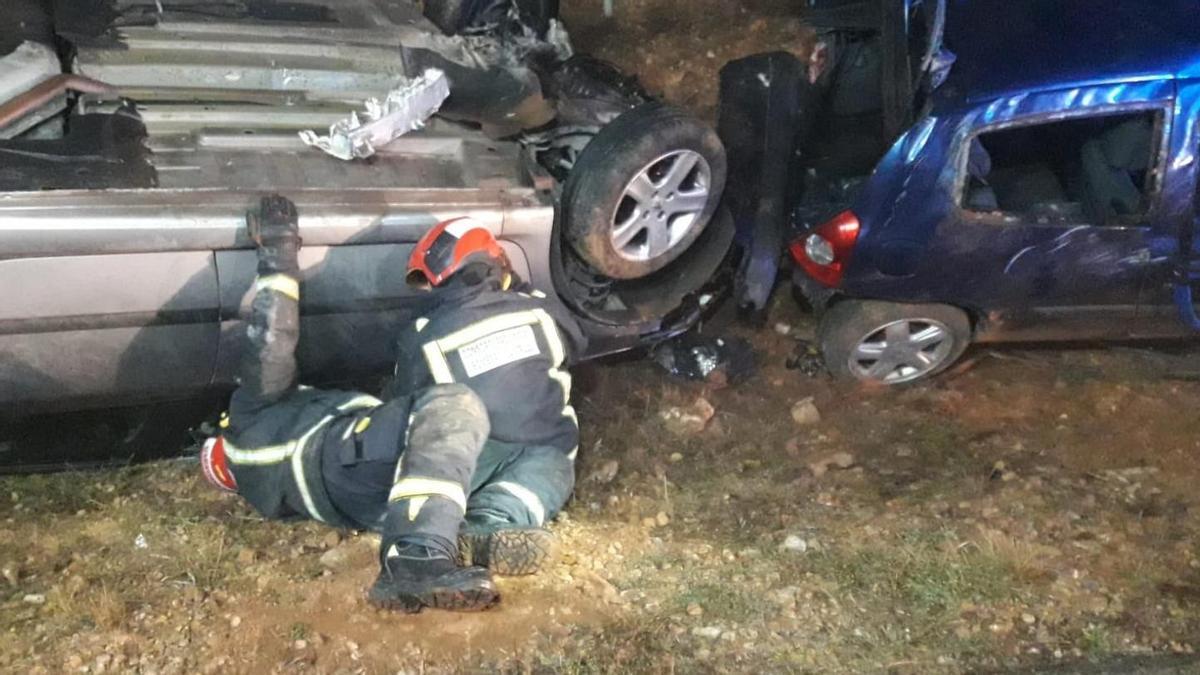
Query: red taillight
825	252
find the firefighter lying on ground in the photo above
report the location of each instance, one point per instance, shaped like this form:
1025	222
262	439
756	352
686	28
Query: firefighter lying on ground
469	455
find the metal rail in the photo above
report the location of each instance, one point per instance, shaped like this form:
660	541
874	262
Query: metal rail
46	91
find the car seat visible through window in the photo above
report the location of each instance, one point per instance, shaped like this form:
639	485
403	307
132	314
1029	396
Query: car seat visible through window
1114	165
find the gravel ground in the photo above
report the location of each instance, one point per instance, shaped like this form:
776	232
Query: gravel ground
1031	511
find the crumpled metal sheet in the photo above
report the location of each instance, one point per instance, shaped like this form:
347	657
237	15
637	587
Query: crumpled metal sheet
405	109
518	46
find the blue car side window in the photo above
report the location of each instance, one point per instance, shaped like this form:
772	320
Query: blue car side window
1095	169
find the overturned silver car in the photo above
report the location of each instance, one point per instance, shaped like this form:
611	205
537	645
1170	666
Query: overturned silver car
135	135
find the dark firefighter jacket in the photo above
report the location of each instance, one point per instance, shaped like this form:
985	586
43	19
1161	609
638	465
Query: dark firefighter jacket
275	453
512	348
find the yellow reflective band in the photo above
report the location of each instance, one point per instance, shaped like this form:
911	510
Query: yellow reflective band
224	423
360	401
273	454
564	378
414	507
362	425
280	283
277	454
552	336
485	328
439	368
421	323
559	352
530	500
411	486
574	452
298	468
270	454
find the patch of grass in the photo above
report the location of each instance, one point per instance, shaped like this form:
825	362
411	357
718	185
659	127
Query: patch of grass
108	609
936	436
1026	560
660	559
1096	640
64	602
66	492
728	601
298	631
919	574
938	584
622	647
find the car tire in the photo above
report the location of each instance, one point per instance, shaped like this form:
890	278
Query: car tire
891	343
643	190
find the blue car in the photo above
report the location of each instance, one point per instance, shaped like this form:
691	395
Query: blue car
1046	191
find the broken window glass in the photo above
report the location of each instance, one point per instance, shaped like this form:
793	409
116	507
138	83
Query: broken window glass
1095	170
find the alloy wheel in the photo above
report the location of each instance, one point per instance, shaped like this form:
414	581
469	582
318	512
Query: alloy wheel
902	351
661	205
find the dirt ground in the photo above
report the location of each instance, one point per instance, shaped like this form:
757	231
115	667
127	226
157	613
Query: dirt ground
1031	511
676	48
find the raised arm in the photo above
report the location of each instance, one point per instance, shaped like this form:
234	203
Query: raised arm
268	371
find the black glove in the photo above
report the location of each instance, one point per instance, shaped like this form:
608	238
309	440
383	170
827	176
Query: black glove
276	231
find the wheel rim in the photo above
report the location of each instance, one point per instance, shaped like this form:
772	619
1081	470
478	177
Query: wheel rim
661	206
902	351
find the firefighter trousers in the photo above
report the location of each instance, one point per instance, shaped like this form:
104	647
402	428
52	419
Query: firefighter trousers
416	479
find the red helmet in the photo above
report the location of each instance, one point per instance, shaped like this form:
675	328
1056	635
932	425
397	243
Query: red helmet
212	463
449	246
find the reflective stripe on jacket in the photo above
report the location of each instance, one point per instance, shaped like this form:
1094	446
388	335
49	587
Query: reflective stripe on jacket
275	452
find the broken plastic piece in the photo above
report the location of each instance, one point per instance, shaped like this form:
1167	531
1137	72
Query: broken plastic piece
405	109
806	358
697	357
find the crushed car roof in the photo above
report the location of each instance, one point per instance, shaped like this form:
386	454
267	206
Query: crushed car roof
1006	47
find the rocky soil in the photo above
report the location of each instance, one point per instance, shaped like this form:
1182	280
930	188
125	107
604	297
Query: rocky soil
1033	510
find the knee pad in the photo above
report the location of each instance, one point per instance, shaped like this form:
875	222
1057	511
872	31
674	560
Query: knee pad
448	415
452	402
451	396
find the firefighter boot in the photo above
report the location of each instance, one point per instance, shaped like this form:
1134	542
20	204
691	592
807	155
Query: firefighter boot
414	576
505	549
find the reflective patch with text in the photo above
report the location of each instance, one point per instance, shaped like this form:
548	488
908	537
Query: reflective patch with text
498	349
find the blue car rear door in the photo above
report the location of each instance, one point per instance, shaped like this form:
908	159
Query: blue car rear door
1058	197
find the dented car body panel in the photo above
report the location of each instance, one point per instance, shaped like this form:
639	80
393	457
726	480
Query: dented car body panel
143	290
1052	270
122	244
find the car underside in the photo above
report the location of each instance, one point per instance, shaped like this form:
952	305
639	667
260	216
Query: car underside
134	136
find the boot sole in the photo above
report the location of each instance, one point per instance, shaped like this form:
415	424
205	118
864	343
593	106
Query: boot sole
510	553
475	599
